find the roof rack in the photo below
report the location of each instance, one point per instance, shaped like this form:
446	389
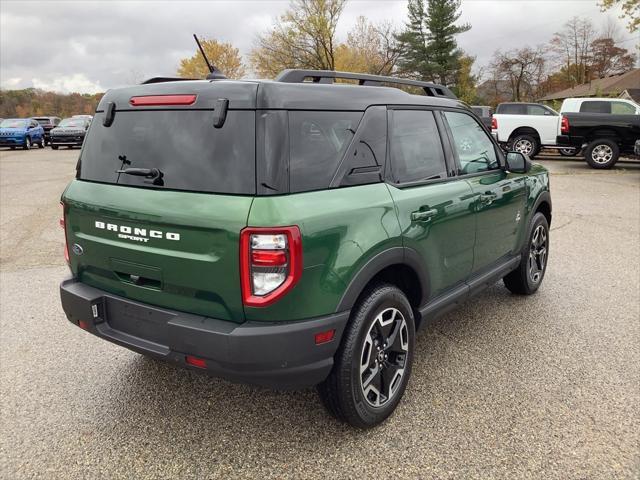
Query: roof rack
329	76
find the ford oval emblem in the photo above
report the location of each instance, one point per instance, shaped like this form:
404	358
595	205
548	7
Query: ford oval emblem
77	249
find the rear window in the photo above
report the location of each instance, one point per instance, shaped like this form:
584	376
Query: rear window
43	121
183	145
595	107
318	141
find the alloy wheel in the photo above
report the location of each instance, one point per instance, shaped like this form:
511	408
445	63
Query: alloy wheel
383	357
602	154
538	254
523	146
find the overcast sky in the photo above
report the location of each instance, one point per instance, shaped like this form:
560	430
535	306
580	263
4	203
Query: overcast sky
92	45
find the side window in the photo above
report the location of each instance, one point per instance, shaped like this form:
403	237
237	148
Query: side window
512	109
537	110
595	107
318	141
622	108
416	149
475	150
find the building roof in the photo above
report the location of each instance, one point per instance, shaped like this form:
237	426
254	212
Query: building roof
608	86
631	94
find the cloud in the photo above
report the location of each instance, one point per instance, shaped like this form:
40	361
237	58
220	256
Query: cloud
77	82
70	45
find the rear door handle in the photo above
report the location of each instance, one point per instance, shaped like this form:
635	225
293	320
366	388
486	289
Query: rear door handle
423	215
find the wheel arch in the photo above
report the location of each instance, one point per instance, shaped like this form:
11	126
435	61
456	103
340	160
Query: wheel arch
524	131
543	205
400	266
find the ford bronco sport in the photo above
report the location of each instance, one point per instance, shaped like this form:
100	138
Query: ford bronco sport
295	232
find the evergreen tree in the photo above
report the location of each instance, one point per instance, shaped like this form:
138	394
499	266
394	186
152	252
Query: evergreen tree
442	47
428	43
414	60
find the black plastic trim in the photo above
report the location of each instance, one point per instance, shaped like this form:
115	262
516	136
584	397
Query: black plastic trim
279	355
393	256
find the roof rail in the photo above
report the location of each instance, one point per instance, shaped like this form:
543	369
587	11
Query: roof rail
329	76
165	79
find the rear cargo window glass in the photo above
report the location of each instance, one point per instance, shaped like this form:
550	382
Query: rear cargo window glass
182	144
596	107
318	141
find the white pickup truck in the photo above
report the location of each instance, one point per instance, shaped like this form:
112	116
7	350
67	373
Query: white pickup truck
527	127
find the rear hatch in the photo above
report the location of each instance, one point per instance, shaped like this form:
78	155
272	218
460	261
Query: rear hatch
170	238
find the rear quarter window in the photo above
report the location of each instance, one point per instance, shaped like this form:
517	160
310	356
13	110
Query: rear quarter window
318	141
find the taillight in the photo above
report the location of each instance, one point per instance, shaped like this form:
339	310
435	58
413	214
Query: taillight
270	263
63	224
564	125
494	123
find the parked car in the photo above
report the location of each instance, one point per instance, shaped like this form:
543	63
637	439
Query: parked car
485	113
21	132
616	106
88	117
602	136
70	132
525	127
47	124
263	231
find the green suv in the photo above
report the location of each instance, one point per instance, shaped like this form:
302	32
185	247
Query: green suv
295	232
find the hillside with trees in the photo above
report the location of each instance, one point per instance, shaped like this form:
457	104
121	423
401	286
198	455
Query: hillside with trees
32	102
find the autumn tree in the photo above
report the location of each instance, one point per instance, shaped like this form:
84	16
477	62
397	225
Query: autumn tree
224	56
630	11
465	85
523	68
303	37
572	48
609	59
370	48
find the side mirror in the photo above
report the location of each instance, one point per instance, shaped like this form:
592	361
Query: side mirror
516	162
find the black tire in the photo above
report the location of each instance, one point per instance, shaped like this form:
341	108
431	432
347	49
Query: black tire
569	152
526	144
602	153
55	147
343	392
526	279
27	144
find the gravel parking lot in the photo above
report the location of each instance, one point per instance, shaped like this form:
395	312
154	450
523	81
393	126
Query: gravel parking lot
504	387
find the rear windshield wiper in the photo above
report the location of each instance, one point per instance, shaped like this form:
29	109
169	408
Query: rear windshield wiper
150	173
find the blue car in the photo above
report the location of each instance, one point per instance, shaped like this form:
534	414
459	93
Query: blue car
21	132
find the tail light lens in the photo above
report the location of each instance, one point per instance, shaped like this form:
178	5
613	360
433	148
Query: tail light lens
564	125
63	225
494	123
270	263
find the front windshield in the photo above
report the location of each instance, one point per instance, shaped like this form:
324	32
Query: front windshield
72	122
13	123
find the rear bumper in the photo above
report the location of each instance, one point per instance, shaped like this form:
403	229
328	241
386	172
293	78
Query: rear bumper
276	355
